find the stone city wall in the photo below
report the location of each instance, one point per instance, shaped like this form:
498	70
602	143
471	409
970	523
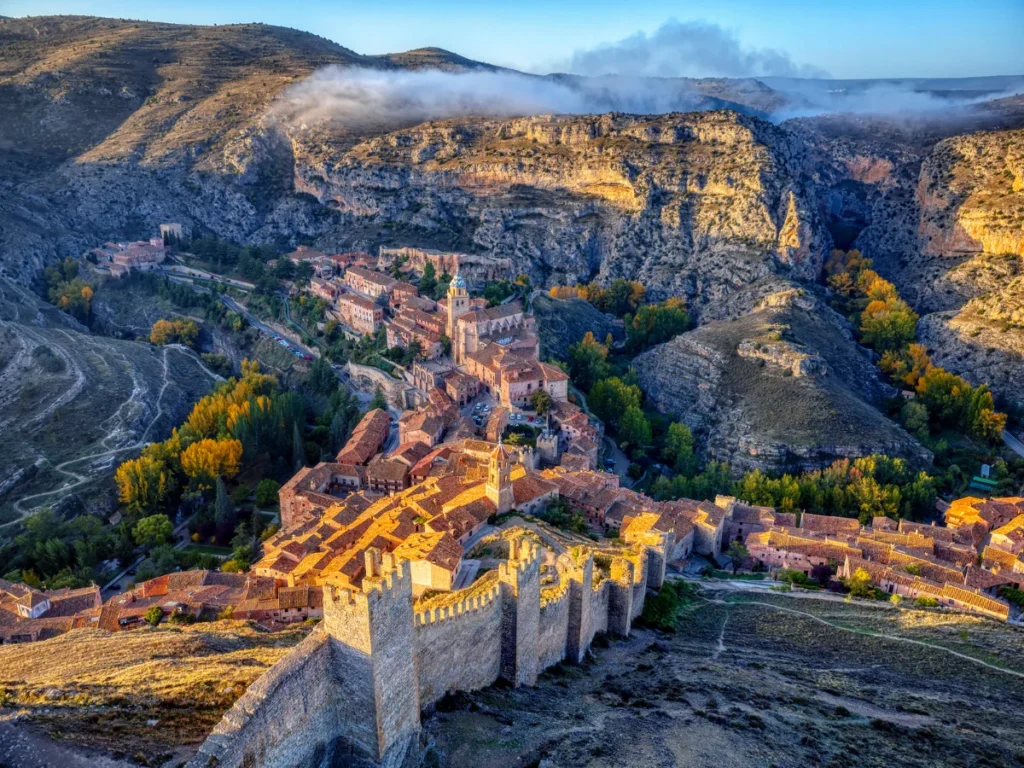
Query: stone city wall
353	691
289	716
473	622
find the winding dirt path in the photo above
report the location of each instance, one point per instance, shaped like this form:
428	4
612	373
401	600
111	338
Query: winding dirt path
138	387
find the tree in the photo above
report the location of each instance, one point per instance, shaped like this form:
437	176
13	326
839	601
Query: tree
266	492
737	552
303	272
541	401
298	448
153	616
224	510
656	323
822	574
143	484
915	419
679	447
379	401
322	379
206	459
588	362
610	398
888	324
153	531
860	584
635	429
428	283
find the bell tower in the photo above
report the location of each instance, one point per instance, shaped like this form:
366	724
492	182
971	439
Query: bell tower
499	479
458	304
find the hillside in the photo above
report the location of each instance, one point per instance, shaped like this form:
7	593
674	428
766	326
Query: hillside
109	128
783	387
148	691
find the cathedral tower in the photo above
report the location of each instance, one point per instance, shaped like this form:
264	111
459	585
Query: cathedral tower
458	304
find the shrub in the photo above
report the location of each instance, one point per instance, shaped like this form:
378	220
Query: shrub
661	611
926	602
153	616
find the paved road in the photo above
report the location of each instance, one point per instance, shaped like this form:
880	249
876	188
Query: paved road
22	747
1013	443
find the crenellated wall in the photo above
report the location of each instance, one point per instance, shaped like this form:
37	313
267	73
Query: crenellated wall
353	691
553	629
474	622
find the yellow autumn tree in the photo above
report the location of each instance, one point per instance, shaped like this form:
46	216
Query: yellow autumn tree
205	460
143	483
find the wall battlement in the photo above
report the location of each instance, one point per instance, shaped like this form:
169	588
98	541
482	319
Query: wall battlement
466	605
379	662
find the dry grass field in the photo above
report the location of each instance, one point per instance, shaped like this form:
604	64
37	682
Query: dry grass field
145	691
747	684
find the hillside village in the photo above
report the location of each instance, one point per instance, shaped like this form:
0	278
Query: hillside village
459	473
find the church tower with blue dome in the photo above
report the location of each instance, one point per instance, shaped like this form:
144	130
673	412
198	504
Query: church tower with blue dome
458	304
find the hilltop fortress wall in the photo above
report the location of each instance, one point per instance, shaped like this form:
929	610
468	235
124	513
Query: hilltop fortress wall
353	691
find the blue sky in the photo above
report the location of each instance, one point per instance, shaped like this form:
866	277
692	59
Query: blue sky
870	38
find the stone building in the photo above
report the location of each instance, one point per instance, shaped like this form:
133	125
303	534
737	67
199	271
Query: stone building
360	314
368	282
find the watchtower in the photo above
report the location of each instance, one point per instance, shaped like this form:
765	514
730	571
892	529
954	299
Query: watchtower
520	612
372	630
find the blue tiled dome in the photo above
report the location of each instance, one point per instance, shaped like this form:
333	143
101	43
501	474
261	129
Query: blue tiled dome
458	282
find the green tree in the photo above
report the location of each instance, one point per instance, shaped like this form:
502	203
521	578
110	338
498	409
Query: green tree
610	398
223	508
379	401
888	324
635	429
153	616
679	447
737	553
153	530
298	448
428	283
266	492
588	362
322	379
541	401
915	419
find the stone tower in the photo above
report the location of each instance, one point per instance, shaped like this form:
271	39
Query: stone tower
458	304
373	634
520	612
499	479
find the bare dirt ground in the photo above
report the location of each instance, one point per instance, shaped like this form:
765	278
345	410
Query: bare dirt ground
760	680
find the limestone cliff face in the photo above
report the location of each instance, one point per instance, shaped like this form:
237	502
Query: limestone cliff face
693	204
942	216
971	193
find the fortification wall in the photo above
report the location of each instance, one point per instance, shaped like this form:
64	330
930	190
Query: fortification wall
598	610
458	647
352	692
289	716
554	625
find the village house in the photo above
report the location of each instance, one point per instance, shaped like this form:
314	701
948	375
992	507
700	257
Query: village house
368	282
360	314
367	438
422	426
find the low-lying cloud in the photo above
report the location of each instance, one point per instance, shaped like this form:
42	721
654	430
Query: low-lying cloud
360	97
686	49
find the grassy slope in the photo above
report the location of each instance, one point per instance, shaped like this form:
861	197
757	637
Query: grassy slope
95	689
